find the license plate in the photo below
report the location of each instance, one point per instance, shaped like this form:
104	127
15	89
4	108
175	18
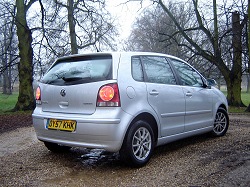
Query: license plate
63	125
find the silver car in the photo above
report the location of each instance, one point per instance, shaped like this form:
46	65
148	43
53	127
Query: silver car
125	101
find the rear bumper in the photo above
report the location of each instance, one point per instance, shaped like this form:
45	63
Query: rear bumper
92	131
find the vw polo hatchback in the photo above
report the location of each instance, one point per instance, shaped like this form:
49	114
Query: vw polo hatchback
128	102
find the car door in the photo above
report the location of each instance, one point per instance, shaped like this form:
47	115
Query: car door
164	95
198	97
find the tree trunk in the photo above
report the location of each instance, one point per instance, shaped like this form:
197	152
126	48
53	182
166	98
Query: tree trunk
248	83
73	43
26	99
248	42
9	88
232	76
6	77
248	108
234	91
6	82
234	85
4	63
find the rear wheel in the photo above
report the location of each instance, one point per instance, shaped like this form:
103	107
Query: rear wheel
221	123
138	144
56	148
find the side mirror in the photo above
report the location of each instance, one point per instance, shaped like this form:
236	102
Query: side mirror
211	82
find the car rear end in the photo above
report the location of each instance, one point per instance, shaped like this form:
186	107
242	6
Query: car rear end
78	103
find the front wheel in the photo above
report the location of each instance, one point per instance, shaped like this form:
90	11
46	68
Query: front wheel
138	144
221	123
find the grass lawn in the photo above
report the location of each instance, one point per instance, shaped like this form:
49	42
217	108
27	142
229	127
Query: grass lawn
245	97
7	102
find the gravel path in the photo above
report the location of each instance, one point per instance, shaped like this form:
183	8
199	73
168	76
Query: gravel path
196	161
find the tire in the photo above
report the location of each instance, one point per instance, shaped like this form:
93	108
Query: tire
221	123
56	148
138	144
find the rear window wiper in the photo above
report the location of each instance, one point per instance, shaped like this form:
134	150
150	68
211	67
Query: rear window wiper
69	79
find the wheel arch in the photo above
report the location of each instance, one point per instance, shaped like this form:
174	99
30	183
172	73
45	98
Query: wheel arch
126	152
217	107
222	106
149	118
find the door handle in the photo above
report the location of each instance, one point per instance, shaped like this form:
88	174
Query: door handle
154	92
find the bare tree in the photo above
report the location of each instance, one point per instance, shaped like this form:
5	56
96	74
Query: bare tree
89	24
4	57
155	31
212	51
43	35
149	33
8	46
56	32
199	31
26	99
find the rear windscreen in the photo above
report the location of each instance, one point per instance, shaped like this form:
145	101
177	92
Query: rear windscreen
79	70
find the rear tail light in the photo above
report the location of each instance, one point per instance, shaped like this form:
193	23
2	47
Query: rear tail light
38	96
108	96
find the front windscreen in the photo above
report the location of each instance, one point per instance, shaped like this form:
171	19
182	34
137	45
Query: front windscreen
79	70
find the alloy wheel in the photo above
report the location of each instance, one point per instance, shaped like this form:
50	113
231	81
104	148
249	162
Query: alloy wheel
141	143
220	123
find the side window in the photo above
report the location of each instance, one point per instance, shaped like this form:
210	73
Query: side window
158	70
137	72
187	74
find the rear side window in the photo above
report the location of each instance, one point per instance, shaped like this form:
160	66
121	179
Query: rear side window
152	69
158	70
137	72
78	70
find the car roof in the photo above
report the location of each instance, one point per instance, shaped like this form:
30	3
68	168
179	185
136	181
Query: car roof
117	53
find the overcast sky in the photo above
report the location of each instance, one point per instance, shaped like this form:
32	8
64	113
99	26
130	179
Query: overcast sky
126	13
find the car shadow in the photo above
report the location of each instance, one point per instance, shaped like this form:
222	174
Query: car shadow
83	158
180	144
